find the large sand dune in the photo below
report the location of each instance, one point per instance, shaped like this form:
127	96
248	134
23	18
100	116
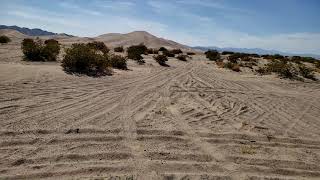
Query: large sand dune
191	120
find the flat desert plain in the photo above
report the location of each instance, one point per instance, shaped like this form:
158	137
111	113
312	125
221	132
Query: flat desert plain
191	120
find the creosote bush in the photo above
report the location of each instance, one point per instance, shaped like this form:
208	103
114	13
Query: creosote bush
213	55
227	52
233	66
135	52
163	49
306	72
4	39
36	50
182	57
152	51
118	49
161	59
191	53
85	59
100	46
117	61
168	53
176	51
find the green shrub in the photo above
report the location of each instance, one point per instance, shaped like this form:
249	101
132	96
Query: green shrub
255	55
282	68
227	52
182	57
163	49
152	51
263	71
117	61
32	50
119	49
135	52
176	51
233	58
213	55
39	51
306	72
4	39
278	56
51	50
99	46
85	59
168	53
191	53
233	66
161	59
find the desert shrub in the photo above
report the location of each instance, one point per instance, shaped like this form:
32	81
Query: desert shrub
220	64
248	59
84	59
176	51
135	52
255	55
168	53
227	52
4	39
278	56
51	50
262	71
152	51
117	61
182	57
39	51
32	50
282	68
233	58
161	59
213	55
99	46
163	49
266	56
191	53
317	64
249	64
118	49
306	72
233	66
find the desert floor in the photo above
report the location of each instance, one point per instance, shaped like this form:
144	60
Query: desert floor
191	120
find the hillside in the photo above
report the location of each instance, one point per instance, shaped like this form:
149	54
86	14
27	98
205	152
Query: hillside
137	37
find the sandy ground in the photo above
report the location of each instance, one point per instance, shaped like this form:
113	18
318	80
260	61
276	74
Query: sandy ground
191	120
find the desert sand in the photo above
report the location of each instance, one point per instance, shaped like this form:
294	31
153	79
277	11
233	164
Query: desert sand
191	120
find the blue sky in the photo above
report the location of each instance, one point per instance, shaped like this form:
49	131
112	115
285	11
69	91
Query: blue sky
286	25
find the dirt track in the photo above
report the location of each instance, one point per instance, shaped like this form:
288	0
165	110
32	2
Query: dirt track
189	121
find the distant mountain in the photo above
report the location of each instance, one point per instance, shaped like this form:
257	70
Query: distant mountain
254	51
137	37
31	32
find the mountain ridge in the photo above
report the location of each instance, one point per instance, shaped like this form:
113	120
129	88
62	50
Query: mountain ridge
254	51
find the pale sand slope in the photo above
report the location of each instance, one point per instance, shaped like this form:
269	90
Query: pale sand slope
188	121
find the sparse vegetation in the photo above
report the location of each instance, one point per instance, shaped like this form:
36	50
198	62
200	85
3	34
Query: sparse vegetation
176	51
161	59
182	57
152	51
282	68
191	53
233	66
163	49
39	51
213	55
100	46
117	61
4	39
227	52
135	52
168	53
118	49
306	72
85	59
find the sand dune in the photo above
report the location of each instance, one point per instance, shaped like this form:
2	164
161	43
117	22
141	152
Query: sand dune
191	120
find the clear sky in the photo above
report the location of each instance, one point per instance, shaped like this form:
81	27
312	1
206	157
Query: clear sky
286	25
